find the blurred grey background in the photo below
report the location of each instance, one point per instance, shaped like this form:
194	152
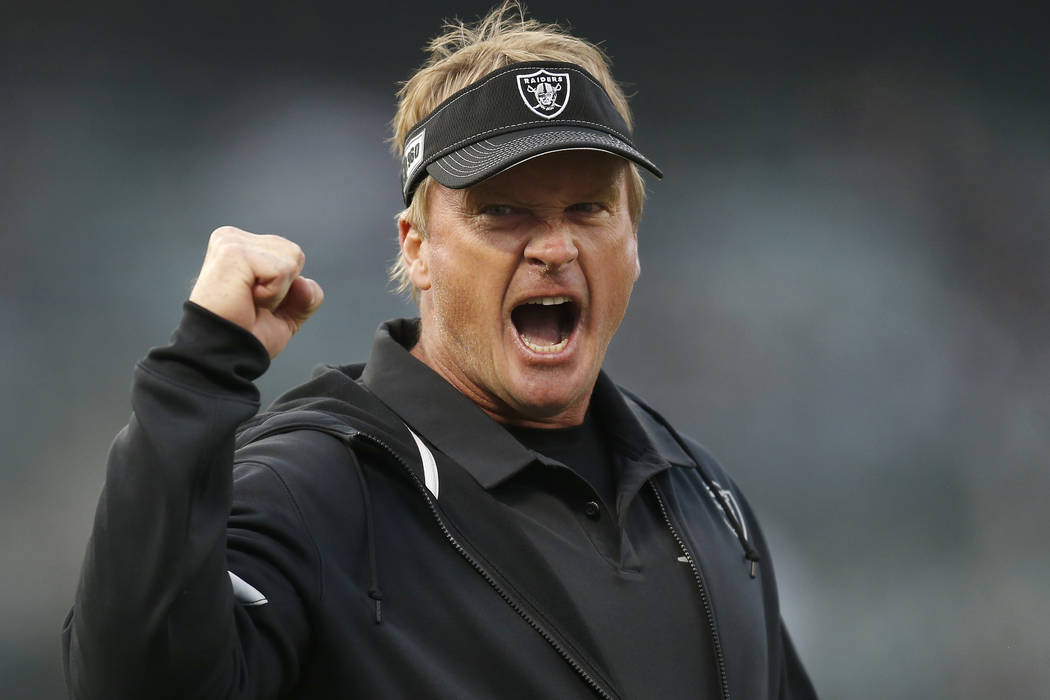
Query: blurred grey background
845	290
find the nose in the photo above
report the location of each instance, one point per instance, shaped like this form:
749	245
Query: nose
552	247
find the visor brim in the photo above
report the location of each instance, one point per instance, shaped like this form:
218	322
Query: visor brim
481	160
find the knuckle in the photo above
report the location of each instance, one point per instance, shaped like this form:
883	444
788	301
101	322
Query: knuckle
292	257
289	248
223	233
225	240
287	268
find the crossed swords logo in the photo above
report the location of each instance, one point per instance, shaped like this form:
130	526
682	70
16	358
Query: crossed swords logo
547	99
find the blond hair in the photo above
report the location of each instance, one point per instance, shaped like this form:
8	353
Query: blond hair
464	53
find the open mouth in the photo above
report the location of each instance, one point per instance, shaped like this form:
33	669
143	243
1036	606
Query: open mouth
545	324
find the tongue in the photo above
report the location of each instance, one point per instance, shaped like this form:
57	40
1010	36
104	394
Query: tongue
538	324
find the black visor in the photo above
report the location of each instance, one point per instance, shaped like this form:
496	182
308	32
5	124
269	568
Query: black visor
512	114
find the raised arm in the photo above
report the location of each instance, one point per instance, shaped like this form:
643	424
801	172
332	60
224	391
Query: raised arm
155	615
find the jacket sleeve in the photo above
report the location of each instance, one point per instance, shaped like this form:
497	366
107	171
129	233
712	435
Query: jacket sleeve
790	681
155	613
794	681
788	677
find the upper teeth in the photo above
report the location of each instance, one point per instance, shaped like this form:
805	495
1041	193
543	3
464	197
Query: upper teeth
549	301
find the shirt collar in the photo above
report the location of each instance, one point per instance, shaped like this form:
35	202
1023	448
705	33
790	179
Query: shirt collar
456	426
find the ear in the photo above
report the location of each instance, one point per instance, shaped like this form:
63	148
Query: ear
416	252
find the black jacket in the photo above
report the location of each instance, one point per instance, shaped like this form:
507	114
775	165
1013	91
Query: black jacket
347	566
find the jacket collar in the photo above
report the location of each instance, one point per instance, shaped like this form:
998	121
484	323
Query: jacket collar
456	426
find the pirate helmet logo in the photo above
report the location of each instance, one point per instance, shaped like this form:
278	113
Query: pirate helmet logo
544	92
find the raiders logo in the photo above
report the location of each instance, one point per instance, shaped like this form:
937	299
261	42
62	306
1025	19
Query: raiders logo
735	512
544	92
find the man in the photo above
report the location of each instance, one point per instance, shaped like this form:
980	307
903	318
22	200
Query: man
477	511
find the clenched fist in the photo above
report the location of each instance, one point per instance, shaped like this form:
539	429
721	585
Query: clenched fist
254	282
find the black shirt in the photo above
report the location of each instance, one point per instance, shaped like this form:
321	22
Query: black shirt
583	448
641	601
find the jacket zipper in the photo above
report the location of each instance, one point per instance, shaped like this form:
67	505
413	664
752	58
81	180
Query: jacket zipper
515	606
723	678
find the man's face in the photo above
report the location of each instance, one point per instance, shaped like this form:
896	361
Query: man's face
524	280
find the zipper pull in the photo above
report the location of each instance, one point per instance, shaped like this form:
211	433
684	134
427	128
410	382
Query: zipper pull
752	556
377	595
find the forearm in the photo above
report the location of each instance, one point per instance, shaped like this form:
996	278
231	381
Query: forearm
155	563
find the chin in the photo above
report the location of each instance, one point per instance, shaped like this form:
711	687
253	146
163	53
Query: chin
554	398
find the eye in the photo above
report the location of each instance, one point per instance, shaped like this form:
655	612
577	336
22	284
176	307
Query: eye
496	209
587	207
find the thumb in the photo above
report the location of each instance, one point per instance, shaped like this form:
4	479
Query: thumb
315	295
304	297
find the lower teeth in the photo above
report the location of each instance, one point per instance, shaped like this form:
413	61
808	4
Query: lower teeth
544	348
